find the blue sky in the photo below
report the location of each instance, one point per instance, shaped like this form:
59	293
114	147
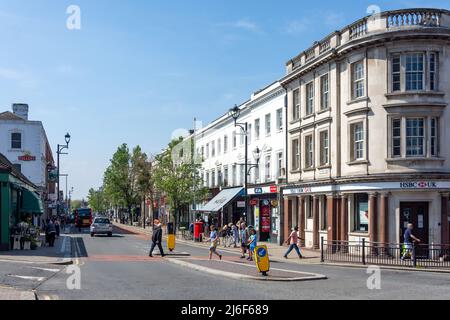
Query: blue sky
139	69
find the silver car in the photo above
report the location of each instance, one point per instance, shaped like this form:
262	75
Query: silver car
101	226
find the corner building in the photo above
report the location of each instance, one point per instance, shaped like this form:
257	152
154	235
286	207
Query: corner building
367	135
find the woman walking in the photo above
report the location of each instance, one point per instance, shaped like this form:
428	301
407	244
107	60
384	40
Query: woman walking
214	238
252	242
243	238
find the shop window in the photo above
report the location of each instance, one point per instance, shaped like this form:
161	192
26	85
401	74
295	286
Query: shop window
361	213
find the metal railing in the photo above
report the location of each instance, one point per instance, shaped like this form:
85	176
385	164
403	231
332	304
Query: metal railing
387	254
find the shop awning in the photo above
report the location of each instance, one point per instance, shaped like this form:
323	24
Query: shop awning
222	199
31	203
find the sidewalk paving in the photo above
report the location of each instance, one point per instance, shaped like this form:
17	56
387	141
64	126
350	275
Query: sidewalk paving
276	252
15	294
59	254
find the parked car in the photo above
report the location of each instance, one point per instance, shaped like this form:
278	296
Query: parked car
101	225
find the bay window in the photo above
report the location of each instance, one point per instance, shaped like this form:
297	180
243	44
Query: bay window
415	137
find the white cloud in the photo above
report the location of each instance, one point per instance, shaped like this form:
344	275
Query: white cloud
243	24
298	26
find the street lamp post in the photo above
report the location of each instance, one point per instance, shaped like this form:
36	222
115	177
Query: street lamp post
59	152
235	113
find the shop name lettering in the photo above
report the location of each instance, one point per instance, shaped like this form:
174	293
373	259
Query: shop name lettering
418	185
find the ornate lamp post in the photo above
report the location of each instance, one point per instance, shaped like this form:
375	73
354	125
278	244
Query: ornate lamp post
59	152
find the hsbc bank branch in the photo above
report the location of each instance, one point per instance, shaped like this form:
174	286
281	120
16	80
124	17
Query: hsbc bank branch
378	211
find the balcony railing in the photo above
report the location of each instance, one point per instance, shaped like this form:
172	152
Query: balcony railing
358	29
408	18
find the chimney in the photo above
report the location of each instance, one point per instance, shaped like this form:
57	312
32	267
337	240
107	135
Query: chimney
21	110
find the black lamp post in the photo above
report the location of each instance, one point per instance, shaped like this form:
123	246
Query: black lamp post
59	152
235	113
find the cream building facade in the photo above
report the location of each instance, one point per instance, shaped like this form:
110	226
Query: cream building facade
367	140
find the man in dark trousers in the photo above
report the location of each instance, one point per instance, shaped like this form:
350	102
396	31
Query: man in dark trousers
157	238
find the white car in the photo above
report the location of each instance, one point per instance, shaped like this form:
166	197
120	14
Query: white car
101	226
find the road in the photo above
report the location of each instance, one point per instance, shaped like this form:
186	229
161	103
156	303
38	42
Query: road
119	268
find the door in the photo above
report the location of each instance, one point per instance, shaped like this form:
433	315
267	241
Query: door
417	214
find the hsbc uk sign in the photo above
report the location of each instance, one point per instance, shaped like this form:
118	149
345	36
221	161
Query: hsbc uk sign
418	185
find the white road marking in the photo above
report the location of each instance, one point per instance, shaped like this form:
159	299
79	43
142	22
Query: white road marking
45	269
40	279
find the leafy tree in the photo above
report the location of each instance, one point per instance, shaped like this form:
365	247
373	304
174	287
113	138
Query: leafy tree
176	174
97	200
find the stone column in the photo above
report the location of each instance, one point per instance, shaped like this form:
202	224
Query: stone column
287	212
384	222
316	240
373	220
344	223
301	219
445	239
331	219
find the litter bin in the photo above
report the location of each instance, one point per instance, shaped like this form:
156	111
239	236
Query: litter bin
198	231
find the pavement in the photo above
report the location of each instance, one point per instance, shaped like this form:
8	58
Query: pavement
15	294
59	254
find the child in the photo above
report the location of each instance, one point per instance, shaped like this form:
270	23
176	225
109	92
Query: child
252	244
214	238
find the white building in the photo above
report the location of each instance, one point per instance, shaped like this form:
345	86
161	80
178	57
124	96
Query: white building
221	148
25	144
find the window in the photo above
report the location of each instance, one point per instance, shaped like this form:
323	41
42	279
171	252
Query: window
207	179
433	66
434	126
296	155
18	167
257	128
296	105
213	149
207	150
415	137
241	137
309	152
268	124
309	98
16	140
358	81
219	177
242	175
234	173
414	72
225	144
249	134
324	93
213	178
280	119
358	136
396	73
396	137
234	140
267	166
225	176
324	148
309	207
324	213
280	165
203	153
219	147
361	214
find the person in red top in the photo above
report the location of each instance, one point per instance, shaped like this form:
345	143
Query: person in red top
292	241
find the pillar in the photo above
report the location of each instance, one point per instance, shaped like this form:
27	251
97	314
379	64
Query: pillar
287	218
373	220
301	219
344	223
316	240
445	238
331	219
384	221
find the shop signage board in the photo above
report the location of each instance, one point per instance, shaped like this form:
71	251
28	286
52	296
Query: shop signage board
27	157
372	186
263	190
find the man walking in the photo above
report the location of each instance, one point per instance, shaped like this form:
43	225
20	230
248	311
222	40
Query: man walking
157	238
214	238
51	233
408	245
292	241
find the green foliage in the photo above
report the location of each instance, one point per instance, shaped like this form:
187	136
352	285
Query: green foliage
98	201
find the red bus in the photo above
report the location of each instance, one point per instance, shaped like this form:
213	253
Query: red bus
82	218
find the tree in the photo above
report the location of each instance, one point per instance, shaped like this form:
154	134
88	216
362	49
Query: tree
119	179
98	201
177	175
145	186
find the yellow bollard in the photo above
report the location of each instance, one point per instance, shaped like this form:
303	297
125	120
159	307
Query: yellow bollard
262	261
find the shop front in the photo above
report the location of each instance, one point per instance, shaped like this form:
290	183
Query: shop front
264	206
378	211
